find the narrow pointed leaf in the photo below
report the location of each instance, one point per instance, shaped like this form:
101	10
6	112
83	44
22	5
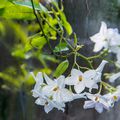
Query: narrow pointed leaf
61	68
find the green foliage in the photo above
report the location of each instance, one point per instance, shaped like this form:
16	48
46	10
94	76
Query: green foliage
61	47
35	42
16	75
61	68
12	11
65	23
28	4
24	39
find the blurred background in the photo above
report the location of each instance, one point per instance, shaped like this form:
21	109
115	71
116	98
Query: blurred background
17	58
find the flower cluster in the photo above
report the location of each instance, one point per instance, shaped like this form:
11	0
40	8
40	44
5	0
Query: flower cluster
107	38
54	93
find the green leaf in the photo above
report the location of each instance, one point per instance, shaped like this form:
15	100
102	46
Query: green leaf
49	58
68	27
12	11
29	5
18	53
65	23
2	3
61	68
35	42
61	47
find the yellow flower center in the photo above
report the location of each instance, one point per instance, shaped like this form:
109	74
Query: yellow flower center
97	99
115	97
80	78
56	88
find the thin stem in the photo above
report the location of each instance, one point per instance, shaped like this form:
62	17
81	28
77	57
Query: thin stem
103	53
49	23
74	62
39	22
108	86
100	88
85	58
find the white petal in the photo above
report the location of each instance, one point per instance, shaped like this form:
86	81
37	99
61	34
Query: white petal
90	83
63	95
90	75
114	77
103	28
91	78
57	96
71	80
89	104
98	46
75	72
48	90
79	87
48	80
96	38
66	95
38	77
35	93
40	101
58	105
105	103
48	107
101	66
90	96
99	107
99	38
61	81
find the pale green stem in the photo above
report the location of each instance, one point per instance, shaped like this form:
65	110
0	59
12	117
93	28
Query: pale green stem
108	86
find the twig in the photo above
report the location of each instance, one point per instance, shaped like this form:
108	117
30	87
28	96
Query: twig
39	22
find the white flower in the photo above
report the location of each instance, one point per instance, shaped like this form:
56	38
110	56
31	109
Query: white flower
49	104
114	77
56	89
77	79
106	38
100	38
114	97
96	101
88	79
38	86
42	99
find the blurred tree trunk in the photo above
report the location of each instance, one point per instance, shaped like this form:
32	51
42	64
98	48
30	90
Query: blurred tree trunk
86	15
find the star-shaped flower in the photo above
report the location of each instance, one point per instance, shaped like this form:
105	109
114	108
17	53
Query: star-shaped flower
49	104
56	89
96	101
88	79
38	85
106	38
